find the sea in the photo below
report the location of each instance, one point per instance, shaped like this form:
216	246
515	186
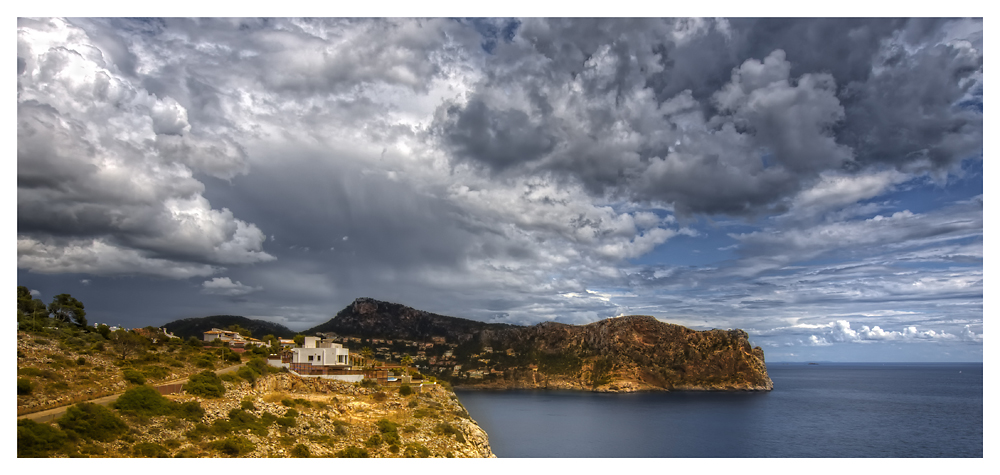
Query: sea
829	410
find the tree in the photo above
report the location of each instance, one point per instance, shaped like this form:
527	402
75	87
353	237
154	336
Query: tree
126	343
238	329
30	307
68	309
271	340
366	353
300	339
105	331
406	362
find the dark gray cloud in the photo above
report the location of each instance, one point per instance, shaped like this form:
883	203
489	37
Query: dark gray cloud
757	173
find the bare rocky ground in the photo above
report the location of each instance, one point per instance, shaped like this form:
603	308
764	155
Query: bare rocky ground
332	416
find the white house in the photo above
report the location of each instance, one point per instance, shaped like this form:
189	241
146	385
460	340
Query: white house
321	353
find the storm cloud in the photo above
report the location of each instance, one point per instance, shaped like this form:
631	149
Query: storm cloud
769	174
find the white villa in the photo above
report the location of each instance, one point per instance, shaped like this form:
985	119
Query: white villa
319	352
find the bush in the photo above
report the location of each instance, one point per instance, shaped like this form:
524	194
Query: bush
248	406
405	390
23	386
248	374
204	362
352	452
205	384
133	376
369	383
38	440
149	449
374	441
241	420
300	451
416	450
229	378
340	430
380	396
234	446
155	372
191	411
394	448
144	400
81	361
286	421
92	421
291	413
412	404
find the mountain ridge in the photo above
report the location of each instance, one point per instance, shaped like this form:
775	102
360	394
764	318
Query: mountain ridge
628	353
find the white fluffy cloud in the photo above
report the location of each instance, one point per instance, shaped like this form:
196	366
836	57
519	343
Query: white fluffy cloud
841	331
106	170
225	286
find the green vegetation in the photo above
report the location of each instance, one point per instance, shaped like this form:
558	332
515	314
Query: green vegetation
416	450
149	449
205	384
405	390
300	451
234	446
92	421
389	432
352	452
23	386
38	440
447	429
133	376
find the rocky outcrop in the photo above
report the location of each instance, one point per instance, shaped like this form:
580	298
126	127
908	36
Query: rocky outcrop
631	353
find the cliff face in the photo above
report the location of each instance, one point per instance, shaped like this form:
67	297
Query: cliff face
634	353
630	353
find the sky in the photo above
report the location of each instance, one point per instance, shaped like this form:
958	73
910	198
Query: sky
815	182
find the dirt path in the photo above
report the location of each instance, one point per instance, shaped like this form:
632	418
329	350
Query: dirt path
49	415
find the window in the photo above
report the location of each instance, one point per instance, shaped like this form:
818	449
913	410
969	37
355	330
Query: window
310	358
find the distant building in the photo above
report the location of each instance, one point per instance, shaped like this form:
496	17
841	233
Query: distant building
438	339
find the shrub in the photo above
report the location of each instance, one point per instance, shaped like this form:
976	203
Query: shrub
155	372
92	421
394	448
234	446
374	441
229	378
286	421
405	390
416	450
133	376
287	402
291	413
369	383
230	356
23	386
81	361
242	420
379	396
144	400
57	386
204	362
340	430
38	440
300	450
247	406
191	411
352	452
149	449
303	402
205	384
248	374
412	404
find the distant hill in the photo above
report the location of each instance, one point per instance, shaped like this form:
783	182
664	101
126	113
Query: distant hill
187	327
629	353
374	318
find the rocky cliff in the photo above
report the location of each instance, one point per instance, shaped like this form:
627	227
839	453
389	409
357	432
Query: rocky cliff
631	353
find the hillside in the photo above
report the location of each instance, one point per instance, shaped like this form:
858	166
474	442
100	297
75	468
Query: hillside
618	354
370	317
188	327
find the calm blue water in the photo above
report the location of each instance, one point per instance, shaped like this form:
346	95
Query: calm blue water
826	410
